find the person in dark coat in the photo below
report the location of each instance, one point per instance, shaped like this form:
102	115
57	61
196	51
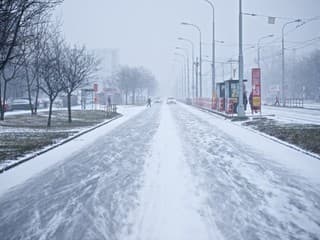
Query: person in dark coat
245	100
251	102
149	102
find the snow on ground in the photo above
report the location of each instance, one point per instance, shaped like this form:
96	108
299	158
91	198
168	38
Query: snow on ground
88	195
28	169
293	115
171	172
169	204
256	188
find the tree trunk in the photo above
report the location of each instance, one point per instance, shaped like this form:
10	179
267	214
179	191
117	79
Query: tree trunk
36	100
3	103
69	108
133	97
1	110
126	97
29	98
50	113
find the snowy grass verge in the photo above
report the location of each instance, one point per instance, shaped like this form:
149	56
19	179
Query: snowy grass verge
13	163
24	136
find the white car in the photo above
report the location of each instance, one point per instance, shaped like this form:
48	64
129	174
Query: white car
171	100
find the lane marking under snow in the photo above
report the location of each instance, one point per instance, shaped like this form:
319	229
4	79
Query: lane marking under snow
170	208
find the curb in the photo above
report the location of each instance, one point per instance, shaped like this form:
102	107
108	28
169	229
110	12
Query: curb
38	153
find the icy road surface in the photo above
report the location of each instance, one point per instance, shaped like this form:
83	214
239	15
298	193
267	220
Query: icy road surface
170	173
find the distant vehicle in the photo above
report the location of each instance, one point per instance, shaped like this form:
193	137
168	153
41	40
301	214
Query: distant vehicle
20	104
157	100
171	100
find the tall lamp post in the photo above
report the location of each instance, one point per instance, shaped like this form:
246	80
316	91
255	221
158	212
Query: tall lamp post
258	46
213	50
193	63
185	73
188	70
200	54
241	112
283	61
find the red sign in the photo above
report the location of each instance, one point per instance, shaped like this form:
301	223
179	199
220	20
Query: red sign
256	88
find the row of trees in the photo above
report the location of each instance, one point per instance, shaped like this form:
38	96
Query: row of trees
34	54
135	81
302	75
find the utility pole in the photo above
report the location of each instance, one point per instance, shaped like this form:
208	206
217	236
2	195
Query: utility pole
283	96
213	50
258	47
241	112
197	80
200	54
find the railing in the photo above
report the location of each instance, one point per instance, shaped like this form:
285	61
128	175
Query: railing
111	110
294	102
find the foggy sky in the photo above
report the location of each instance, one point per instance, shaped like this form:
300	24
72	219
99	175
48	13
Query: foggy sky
146	31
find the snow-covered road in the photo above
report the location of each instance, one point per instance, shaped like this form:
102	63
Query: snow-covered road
171	172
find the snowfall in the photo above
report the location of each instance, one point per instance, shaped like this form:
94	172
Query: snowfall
169	172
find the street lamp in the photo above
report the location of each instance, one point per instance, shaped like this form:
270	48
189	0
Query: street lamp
283	63
192	50
200	55
184	72
213	50
241	112
258	46
188	70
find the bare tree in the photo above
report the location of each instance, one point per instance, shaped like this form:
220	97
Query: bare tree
133	80
9	73
122	77
79	66
15	17
51	70
34	53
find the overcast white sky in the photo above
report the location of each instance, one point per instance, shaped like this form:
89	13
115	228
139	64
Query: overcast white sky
145	31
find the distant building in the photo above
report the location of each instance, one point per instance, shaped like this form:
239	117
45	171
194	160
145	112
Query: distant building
98	89
109	64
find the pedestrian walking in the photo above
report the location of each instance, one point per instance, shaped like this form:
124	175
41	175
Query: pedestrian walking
245	100
149	102
109	101
251	102
277	103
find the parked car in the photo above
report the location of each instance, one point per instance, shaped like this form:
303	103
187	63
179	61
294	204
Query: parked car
171	100
20	104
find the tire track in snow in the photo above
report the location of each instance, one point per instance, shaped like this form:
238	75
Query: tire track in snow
169	208
248	195
89	195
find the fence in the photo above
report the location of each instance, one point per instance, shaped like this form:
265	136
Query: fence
294	102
